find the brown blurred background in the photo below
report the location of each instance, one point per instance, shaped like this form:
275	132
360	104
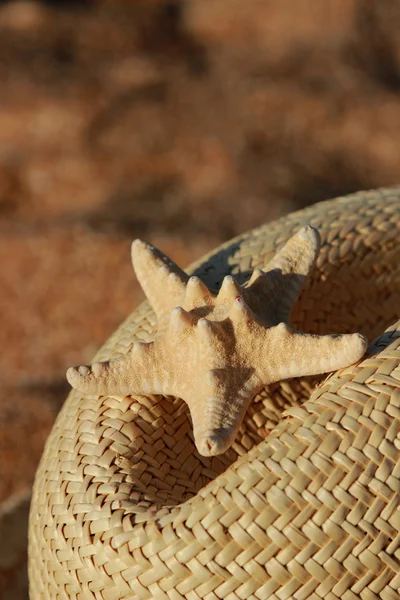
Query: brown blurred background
183	122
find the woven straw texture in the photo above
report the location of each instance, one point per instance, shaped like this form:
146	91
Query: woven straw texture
306	505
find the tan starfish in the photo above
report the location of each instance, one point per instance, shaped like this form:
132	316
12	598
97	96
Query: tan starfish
218	352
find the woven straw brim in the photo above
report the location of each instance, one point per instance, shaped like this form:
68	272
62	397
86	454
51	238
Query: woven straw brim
306	503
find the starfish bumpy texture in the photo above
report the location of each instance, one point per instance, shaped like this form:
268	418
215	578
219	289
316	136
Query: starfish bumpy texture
218	352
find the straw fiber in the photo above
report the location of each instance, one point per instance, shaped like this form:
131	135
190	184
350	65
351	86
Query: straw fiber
306	505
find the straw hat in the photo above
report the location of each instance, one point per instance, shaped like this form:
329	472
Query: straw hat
304	505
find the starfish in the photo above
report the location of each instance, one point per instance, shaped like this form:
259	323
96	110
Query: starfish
216	352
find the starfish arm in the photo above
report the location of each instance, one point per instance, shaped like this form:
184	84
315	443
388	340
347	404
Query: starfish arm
156	273
218	410
137	373
273	293
297	354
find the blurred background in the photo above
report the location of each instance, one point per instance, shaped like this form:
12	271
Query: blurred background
183	122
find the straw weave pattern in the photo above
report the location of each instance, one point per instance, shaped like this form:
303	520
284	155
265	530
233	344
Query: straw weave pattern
306	505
